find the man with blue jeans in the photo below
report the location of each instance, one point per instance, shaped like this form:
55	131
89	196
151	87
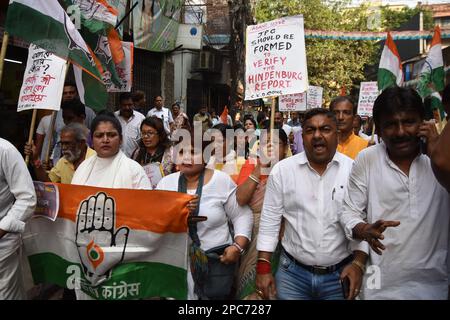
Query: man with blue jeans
307	191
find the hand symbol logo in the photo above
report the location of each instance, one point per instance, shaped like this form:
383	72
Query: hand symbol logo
100	246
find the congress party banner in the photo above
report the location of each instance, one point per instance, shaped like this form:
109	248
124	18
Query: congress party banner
275	58
113	244
155	24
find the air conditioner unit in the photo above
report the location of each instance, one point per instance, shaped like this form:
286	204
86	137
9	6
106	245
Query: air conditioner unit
207	60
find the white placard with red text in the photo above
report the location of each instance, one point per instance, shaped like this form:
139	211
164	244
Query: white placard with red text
368	92
43	81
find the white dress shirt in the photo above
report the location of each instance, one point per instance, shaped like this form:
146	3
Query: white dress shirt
413	266
164	114
218	203
131	131
17	197
311	205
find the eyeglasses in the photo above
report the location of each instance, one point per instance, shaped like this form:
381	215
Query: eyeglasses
148	134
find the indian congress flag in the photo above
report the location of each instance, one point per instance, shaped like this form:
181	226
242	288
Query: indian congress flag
46	24
432	74
113	243
390	69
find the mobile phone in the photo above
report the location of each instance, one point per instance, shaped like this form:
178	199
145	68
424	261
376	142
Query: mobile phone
345	284
423	145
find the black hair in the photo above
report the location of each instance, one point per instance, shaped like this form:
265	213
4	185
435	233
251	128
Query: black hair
251	119
319	111
261	116
222	128
397	99
340	99
106	118
164	142
75	106
125	96
70	84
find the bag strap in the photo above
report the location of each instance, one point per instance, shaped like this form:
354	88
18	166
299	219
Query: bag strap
182	187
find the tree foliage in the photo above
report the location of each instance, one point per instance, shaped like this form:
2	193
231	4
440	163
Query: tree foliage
393	19
333	64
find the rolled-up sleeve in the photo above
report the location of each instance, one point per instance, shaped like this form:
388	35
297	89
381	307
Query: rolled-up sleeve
18	188
272	212
354	209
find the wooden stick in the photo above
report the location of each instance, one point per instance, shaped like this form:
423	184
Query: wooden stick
30	135
3	53
272	114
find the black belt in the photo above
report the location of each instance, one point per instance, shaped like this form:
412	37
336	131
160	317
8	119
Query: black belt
320	269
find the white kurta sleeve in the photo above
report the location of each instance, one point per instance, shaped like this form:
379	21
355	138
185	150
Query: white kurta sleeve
354	208
21	187
272	212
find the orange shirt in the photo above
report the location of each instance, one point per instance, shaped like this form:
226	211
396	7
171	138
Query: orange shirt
352	146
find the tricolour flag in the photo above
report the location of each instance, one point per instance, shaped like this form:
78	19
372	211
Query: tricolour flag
92	92
113	243
390	69
98	19
46	24
432	74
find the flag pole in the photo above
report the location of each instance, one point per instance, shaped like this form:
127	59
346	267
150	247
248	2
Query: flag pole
125	16
3	53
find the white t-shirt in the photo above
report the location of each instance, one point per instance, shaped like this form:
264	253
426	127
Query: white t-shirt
131	131
44	130
164	114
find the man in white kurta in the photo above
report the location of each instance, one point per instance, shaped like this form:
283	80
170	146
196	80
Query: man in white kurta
17	202
394	182
413	265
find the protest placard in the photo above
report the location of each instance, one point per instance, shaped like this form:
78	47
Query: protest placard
314	97
292	102
275	58
43	81
368	92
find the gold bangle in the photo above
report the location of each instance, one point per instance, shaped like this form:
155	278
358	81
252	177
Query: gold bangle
255	179
265	260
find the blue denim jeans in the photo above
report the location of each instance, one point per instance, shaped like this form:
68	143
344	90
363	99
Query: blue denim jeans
295	283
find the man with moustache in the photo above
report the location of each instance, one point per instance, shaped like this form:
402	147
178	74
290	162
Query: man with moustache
74	149
307	191
130	120
392	185
349	143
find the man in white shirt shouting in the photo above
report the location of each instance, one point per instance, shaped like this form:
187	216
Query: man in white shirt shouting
307	191
392	185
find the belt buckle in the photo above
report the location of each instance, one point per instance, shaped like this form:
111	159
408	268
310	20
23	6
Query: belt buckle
319	270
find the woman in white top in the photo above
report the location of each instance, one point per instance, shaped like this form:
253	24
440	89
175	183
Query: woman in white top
218	203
